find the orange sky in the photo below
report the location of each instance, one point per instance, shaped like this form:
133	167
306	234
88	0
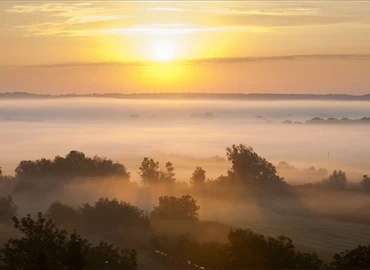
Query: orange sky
280	46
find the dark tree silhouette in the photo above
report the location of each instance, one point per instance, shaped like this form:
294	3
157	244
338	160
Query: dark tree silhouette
149	171
251	169
151	174
111	215
64	216
365	182
117	258
73	165
44	246
167	175
249	250
176	208
7	209
337	180
358	257
198	178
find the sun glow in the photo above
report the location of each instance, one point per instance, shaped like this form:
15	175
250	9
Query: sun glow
163	50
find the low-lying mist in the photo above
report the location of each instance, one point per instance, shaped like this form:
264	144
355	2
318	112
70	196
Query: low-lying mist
195	133
127	130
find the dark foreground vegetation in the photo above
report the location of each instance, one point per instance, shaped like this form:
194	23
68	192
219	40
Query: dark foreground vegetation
112	233
42	243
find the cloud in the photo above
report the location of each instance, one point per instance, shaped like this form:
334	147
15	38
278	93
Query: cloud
220	60
127	18
170	9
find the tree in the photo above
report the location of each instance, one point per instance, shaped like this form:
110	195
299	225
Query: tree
117	258
75	164
149	171
176	208
365	182
43	246
7	209
167	175
358	257
198	178
250	168
111	215
337	180
151	174
64	216
249	250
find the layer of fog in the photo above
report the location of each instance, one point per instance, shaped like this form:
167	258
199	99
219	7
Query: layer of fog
185	130
182	132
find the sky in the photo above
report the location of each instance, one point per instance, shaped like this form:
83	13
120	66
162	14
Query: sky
202	46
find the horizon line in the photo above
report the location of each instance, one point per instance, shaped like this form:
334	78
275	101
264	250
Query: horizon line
192	61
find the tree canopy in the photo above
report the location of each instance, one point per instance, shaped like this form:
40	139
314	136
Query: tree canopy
358	257
198	178
74	164
44	246
151	174
110	215
249	250
176	208
337	180
8	209
251	169
365	182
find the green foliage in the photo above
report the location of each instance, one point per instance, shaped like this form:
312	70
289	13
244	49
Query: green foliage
7	209
358	257
151	174
251	169
176	208
44	246
198	178
249	250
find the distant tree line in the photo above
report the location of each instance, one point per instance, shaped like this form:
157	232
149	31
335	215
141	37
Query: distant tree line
74	165
248	169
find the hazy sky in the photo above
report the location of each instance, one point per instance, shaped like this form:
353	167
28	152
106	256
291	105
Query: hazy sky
123	46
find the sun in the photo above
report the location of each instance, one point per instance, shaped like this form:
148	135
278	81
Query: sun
163	50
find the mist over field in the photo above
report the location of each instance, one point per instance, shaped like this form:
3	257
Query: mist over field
188	131
191	133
